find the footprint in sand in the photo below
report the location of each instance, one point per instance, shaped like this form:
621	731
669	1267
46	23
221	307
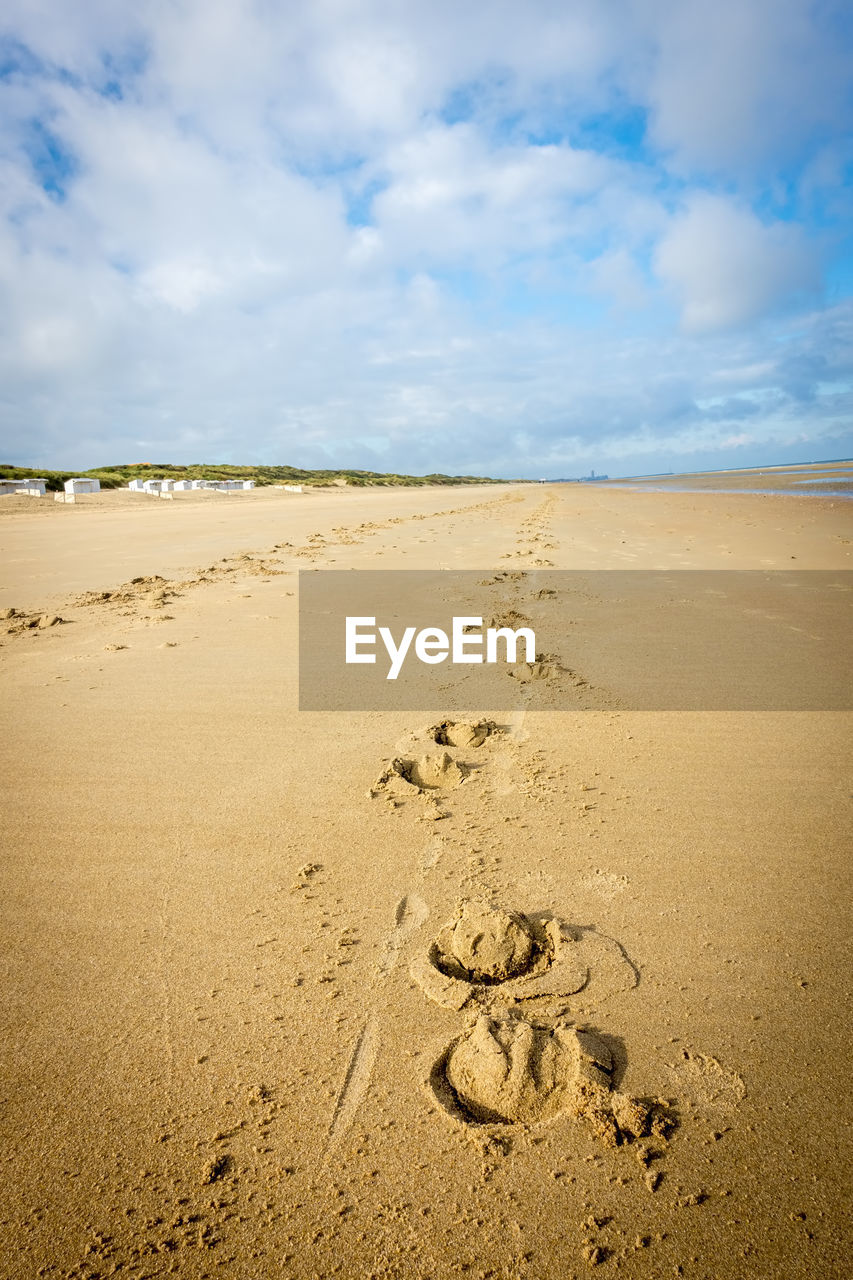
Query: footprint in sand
546	667
486	952
420	770
706	1081
462	733
438	772
503	1070
409	914
487	955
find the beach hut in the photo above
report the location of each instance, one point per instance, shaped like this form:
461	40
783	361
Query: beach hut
82	484
182	485
248	484
152	486
31	486
137	486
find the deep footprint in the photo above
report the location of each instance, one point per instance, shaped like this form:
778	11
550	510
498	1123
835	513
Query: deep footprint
429	773
487	952
504	1070
488	944
462	733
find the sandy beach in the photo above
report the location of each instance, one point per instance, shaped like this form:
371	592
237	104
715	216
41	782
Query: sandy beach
225	1047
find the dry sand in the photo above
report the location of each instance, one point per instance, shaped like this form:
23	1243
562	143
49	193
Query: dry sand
221	1054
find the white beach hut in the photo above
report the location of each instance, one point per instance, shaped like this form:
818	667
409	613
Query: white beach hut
31	486
137	486
82	484
181	486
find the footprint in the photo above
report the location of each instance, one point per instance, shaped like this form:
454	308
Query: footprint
487	944
546	667
706	1081
488	954
429	773
510	618
410	913
504	1070
462	733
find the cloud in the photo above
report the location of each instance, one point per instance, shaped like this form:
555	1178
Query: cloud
739	87
481	237
450	196
727	268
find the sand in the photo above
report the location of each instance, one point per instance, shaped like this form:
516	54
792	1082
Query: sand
221	1052
831	478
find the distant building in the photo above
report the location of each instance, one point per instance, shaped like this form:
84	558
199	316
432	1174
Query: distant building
82	484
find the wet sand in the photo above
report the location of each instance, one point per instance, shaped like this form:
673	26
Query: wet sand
834	479
223	1049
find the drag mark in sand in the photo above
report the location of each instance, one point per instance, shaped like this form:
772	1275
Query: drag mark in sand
356	1083
409	914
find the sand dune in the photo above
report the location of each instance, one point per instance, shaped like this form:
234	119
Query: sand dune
564	992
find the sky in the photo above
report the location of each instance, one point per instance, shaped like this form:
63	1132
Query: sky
518	239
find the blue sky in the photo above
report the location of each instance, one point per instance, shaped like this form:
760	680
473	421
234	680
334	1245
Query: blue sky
502	238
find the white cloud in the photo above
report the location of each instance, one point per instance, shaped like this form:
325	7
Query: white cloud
450	194
741	83
727	268
181	265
